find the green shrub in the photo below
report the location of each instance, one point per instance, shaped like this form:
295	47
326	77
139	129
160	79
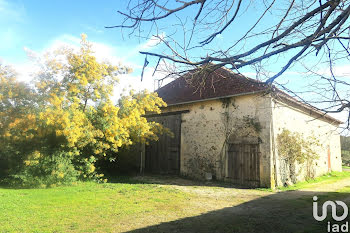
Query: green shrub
42	170
294	149
345	154
55	130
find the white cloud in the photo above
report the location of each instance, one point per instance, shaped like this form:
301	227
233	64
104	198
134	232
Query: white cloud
249	74
93	29
11	12
342	116
133	81
340	71
11	17
151	42
103	52
150	79
25	71
8	38
148	45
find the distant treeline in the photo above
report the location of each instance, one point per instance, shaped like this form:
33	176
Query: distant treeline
345	143
345	149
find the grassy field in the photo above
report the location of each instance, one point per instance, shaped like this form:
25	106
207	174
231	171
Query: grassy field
153	204
325	179
86	207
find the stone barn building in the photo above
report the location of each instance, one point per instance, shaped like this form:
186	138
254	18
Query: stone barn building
226	126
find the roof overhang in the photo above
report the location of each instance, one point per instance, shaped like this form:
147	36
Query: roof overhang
217	98
306	108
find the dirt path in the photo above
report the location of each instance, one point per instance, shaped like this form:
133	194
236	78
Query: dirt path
217	190
316	189
228	209
329	187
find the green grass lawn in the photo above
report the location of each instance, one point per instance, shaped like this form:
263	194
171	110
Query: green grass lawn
325	179
160	205
87	207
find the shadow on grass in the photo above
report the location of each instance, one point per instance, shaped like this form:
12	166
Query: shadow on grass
6	185
148	179
187	181
171	180
281	212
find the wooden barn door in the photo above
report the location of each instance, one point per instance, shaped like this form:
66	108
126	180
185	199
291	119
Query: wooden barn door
163	156
243	164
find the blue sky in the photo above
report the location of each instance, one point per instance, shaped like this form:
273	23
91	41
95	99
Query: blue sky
35	24
38	26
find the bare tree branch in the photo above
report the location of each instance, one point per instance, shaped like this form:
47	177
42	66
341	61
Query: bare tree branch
292	32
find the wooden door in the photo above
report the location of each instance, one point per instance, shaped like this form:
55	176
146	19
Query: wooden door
243	164
163	156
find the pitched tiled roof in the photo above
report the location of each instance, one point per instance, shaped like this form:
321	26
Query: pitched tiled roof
196	86
200	86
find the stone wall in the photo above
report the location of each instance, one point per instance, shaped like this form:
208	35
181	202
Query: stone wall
286	117
210	125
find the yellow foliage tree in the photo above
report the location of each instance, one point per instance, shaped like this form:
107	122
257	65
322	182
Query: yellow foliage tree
74	112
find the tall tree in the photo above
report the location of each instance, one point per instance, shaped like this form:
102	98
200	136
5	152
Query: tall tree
55	130
269	36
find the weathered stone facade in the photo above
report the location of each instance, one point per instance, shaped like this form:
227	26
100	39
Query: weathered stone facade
211	125
295	120
230	125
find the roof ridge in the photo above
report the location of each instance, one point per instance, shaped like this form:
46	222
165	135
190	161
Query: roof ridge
241	75
220	84
223	68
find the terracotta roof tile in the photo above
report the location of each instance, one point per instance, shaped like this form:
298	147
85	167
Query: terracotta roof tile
201	86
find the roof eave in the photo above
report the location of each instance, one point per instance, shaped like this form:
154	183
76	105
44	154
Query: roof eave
321	115
216	98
